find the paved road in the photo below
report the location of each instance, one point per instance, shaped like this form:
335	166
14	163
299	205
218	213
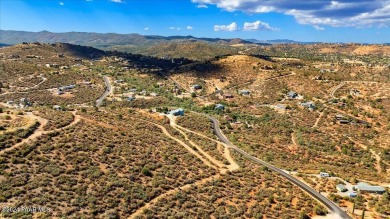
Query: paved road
106	92
329	204
332	93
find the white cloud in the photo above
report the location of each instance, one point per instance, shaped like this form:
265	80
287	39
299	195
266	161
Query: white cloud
118	1
201	6
61	3
146	28
318	27
337	13
175	28
88	0
189	28
231	27
258	25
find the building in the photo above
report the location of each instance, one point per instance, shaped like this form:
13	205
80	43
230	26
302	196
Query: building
24	103
228	96
118	81
341	188
323	174
339	117
133	90
365	187
69	87
292	95
281	107
344	121
57	107
310	105
244	92
196	87
143	93
130	99
218	92
219	107
177	112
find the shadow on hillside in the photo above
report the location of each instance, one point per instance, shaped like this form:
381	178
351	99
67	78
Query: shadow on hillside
264	57
148	64
134	60
202	69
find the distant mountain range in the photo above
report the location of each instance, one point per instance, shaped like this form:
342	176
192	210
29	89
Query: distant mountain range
279	41
100	39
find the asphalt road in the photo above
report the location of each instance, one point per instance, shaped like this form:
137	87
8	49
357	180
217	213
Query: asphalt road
329	204
332	93
106	92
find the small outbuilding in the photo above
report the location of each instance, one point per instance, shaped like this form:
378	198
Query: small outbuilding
341	188
323	174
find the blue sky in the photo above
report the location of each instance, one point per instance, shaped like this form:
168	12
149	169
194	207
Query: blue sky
364	21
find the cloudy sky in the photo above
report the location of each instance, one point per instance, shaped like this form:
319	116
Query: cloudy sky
366	21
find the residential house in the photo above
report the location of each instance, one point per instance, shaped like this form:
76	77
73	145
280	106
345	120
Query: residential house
228	96
310	105
244	92
69	87
143	93
339	117
365	187
57	107
344	121
218	92
24	103
281	107
292	95
219	107
196	87
177	112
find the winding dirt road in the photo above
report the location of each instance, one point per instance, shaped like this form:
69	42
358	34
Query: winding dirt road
40	131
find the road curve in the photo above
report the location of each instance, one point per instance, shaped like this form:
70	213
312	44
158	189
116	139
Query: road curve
108	90
329	204
332	93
